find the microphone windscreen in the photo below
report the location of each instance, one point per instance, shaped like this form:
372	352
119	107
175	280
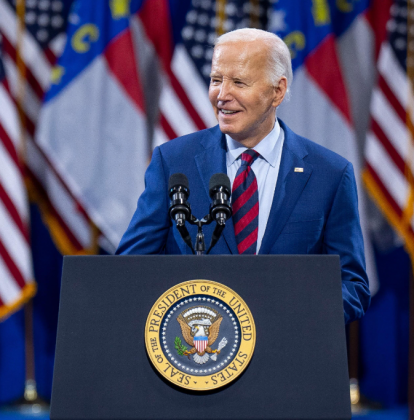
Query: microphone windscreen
219	180
178	180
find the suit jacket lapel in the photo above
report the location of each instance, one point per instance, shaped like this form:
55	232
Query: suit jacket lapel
289	187
210	161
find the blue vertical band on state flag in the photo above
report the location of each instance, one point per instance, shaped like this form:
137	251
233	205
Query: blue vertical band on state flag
92	26
304	28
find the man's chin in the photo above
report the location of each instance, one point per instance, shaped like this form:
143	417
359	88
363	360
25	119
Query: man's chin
229	129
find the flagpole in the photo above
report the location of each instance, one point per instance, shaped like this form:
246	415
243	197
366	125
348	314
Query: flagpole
411	349
30	402
353	363
220	16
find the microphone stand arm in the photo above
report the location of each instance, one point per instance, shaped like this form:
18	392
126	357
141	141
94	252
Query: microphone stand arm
200	245
182	229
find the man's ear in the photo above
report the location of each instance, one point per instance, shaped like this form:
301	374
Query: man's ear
280	91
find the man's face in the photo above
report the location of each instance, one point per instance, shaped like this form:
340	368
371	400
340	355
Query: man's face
242	96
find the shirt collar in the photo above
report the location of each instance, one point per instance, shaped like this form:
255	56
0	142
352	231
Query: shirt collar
266	148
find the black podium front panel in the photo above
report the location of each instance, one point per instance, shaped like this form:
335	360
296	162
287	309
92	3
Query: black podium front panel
298	370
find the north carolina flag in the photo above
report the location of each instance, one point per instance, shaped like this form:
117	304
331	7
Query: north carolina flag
92	126
330	59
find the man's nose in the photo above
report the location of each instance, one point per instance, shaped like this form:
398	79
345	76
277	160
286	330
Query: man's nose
225	91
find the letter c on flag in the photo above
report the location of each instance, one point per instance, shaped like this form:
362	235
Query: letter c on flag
84	36
295	41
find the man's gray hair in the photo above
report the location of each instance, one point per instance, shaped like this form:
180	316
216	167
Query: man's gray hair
280	63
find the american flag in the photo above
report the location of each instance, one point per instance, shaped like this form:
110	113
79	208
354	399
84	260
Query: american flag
184	103
16	276
38	43
389	154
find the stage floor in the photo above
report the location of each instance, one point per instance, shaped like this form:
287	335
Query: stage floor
400	413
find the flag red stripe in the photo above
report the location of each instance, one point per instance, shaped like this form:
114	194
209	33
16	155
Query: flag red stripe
9	49
55	214
170	133
383	139
9	146
248	242
14	214
391	98
384	190
5	83
12	267
246	219
50	55
186	102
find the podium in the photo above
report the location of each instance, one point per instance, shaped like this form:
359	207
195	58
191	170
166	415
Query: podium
298	369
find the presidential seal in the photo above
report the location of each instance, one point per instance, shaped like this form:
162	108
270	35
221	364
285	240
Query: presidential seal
200	335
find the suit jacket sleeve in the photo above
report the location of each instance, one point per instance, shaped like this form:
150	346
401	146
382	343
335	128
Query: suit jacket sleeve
148	230
343	236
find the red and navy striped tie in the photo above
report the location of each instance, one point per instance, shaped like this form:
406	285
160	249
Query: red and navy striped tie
245	202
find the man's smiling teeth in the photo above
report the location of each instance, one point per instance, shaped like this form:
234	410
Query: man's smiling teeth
225	111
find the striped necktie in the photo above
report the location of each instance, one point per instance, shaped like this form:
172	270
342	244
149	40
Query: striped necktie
245	202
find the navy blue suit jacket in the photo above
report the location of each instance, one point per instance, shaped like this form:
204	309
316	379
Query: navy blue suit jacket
313	212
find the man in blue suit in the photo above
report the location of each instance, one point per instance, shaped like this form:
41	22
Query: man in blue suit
290	195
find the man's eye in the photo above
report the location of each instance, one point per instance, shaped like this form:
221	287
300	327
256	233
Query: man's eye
215	81
239	83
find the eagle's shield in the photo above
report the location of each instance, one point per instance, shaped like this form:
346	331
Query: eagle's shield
200	343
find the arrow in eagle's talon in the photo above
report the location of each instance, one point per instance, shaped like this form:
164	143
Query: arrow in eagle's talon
221	345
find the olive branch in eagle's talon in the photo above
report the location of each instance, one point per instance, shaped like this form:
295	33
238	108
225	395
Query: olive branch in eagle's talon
181	349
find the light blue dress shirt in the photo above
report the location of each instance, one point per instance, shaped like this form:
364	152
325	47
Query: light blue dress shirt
265	167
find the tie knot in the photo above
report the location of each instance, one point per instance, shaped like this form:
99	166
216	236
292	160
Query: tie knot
248	157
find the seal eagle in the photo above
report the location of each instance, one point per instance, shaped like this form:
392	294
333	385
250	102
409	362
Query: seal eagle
200	328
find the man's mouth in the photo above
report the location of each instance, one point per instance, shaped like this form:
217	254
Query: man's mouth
227	111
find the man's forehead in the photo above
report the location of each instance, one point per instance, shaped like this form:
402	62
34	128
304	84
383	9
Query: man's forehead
239	55
241	49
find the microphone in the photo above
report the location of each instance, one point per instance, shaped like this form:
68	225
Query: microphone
220	192
180	209
220	209
179	192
